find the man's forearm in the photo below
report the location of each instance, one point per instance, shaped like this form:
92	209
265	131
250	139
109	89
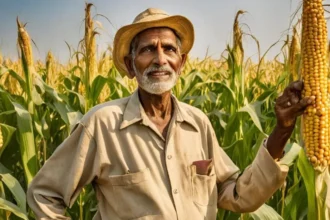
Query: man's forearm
277	140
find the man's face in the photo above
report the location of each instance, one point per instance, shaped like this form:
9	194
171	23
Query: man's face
157	62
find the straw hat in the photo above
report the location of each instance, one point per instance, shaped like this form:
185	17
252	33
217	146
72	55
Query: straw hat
150	18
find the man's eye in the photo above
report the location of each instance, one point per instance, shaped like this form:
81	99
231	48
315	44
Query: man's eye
147	49
170	48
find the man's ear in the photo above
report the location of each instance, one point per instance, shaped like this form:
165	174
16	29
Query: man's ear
184	59
129	66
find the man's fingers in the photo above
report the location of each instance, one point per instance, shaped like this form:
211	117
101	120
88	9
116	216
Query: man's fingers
302	104
294	98
306	101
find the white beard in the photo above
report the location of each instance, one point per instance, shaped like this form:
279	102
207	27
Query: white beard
154	86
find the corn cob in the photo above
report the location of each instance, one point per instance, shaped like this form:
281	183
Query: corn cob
314	74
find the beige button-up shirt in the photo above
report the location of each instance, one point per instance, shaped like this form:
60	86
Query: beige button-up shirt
138	174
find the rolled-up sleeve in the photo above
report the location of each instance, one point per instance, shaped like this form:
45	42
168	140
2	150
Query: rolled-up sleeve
246	191
59	181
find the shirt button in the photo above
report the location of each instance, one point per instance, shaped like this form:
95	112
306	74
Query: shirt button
175	191
169	157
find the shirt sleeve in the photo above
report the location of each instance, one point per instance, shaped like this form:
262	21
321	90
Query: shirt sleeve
66	172
247	191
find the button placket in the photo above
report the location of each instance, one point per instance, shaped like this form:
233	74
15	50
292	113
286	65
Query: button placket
171	164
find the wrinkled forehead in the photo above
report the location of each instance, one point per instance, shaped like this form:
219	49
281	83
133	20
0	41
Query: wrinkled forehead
143	33
156	29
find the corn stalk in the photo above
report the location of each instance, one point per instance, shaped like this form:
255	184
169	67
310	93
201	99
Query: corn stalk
25	118
90	56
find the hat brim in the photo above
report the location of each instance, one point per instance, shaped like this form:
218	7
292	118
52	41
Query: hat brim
124	36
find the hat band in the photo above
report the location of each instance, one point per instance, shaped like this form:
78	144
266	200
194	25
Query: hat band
152	18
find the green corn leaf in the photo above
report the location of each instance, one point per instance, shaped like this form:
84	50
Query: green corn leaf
18	78
265	212
25	135
36	97
69	116
14	186
118	87
7	112
230	130
307	172
292	151
97	87
265	95
123	86
80	98
6	205
221	116
254	111
322	183
295	204
44	88
26	138
73	118
5	99
189	82
225	88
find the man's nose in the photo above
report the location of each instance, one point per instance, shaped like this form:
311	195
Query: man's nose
160	57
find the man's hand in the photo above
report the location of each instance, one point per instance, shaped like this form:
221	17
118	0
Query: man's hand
288	107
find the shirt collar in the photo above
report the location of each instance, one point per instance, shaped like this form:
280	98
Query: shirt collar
182	115
134	113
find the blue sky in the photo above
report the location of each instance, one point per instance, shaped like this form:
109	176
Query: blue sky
51	23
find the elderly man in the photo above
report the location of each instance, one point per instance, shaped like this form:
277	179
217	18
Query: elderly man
150	156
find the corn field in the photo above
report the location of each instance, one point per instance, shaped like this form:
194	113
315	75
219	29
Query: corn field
41	101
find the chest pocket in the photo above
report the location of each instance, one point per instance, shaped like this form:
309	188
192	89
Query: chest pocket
135	195
204	189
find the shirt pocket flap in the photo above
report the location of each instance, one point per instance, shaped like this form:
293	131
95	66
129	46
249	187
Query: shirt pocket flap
129	179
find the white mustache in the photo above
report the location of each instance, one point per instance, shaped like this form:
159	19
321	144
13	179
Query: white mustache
160	69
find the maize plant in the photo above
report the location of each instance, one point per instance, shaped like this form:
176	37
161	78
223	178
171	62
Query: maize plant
26	136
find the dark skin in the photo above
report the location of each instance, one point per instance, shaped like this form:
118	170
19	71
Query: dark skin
158	46
288	107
